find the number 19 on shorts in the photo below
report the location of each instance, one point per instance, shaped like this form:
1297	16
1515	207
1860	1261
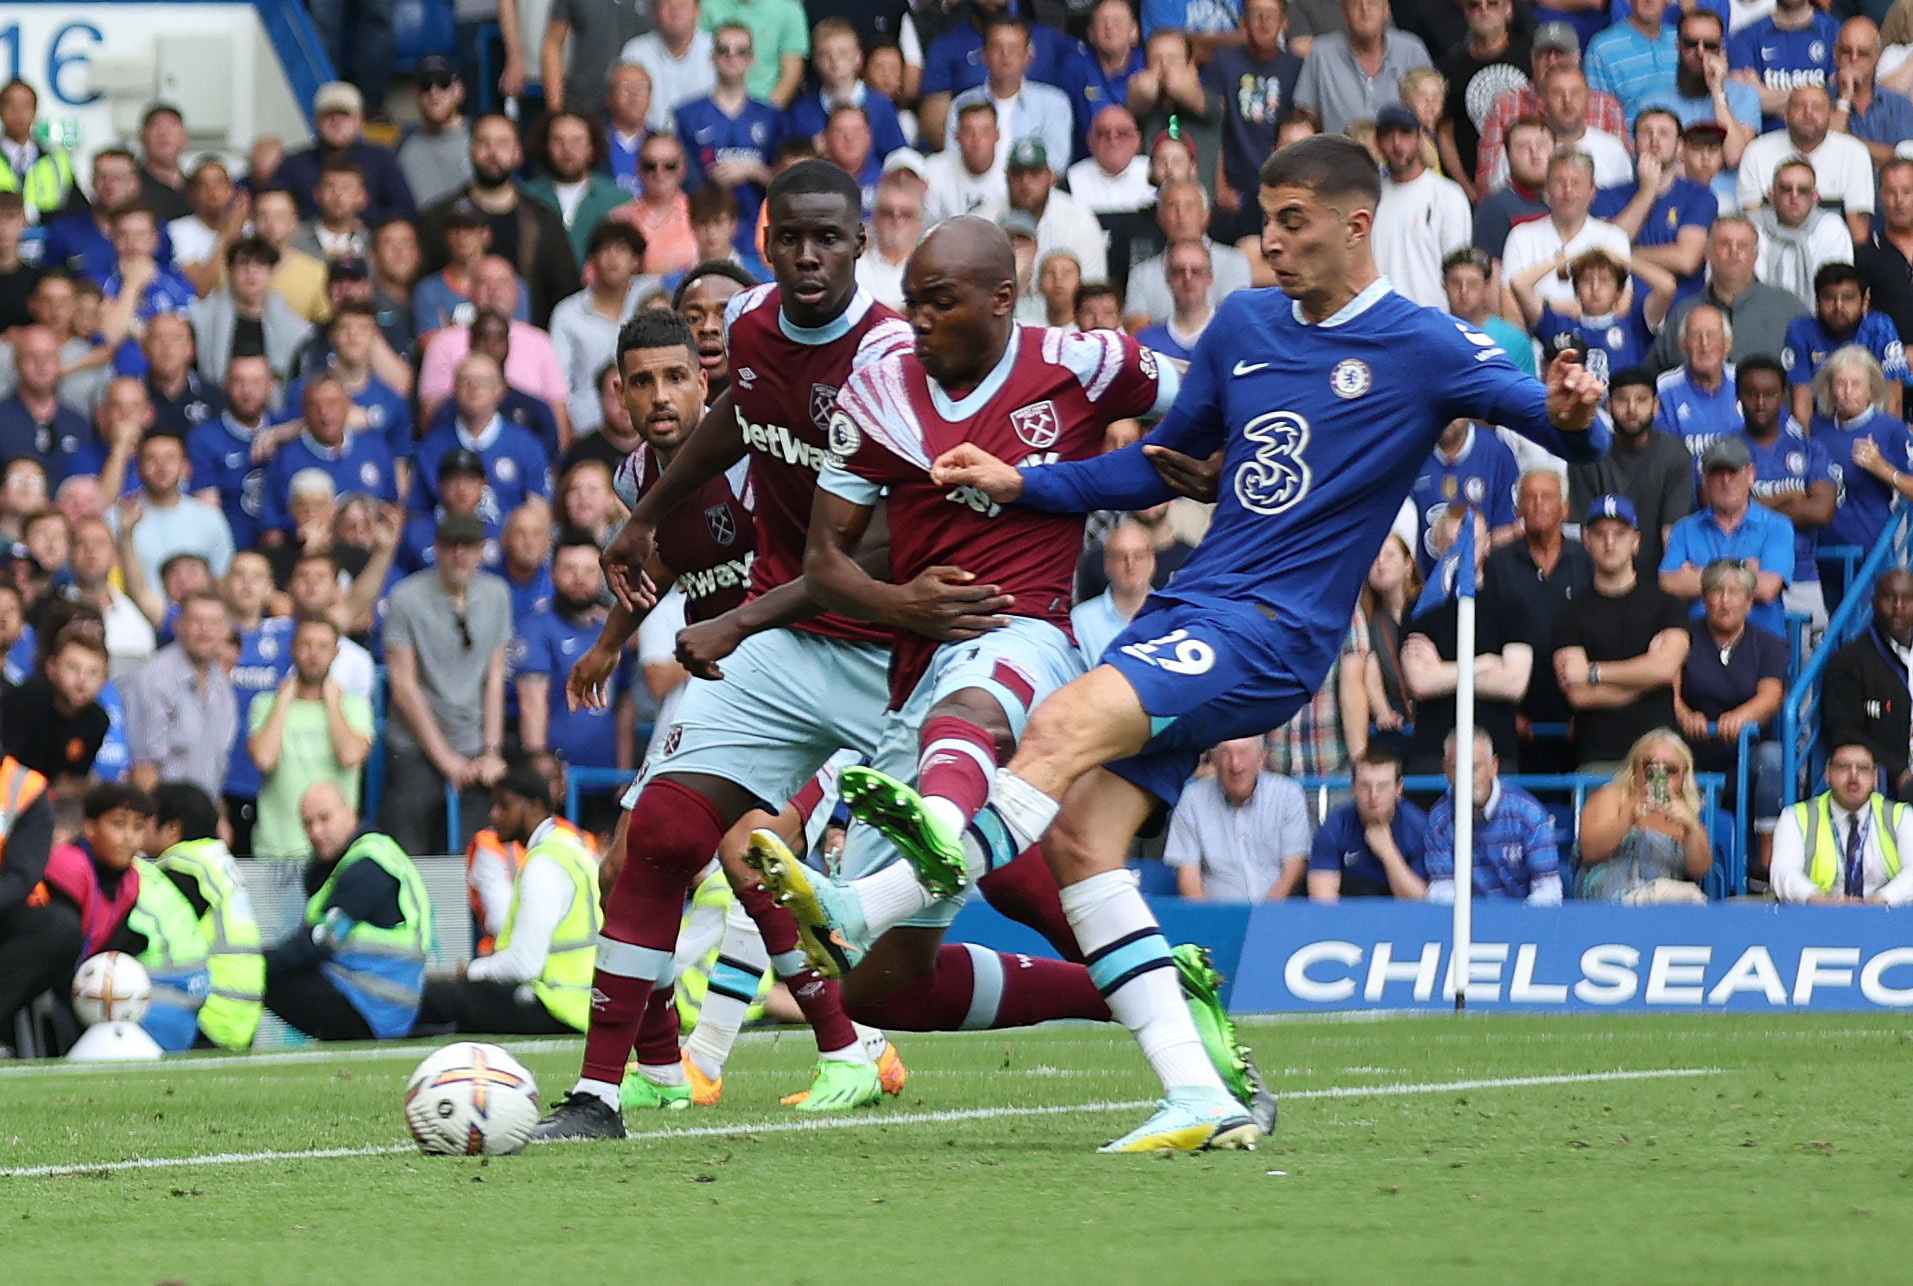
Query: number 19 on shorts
1175	652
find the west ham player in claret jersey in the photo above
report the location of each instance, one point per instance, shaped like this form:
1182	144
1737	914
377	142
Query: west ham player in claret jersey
1324	395
1026	395
790	696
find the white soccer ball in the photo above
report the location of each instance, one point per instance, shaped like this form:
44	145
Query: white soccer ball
471	1099
109	987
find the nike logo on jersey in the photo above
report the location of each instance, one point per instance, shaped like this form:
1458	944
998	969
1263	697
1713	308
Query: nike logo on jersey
1249	368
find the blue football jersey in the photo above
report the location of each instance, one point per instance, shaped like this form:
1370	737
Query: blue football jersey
1484	478
1694	415
1612	343
1808	345
1786	59
361	465
1791	466
265	659
1864	504
222	459
549	644
1323	427
516	466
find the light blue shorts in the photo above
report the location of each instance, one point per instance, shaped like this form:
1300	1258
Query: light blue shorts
1025	654
788	701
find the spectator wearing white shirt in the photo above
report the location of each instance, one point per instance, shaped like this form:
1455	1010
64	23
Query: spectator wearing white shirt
1567	231
1129	562
1841	163
1062	223
200	238
898	222
1797	235
1024	108
584	326
1241	835
1114	177
1848	846
677	57
1422	217
967	178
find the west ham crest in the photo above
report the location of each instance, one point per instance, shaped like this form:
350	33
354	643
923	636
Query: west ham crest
723	526
823	400
1037	425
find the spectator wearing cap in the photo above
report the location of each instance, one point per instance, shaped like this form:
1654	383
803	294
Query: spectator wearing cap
1697	399
1845	847
446	631
435	156
1758	314
1792	476
219	452
1422	217
570	148
898	226
357	463
337	228
1114	178
1190	277
1062	223
1567	231
1337	85
1842	315
584	328
298	277
338	112
967	178
1635	57
1555	45
306	730
677	60
1731	526
1841	163
1256	80
1564	106
837	58
527	234
516	464
462	483
1182	212
248	316
1865	697
1798	237
1663	212
1703	160
1025	108
1617	648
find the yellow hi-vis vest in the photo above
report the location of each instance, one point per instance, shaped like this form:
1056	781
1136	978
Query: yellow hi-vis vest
380	972
230	1016
175	957
48	183
1822	844
564	986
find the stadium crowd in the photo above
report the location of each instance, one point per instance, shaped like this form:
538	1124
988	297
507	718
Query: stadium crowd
305	462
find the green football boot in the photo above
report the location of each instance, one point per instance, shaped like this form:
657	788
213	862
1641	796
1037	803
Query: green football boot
895	809
1202	990
839	1087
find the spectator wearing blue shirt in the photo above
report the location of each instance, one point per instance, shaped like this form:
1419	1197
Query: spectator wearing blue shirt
1792	477
357	463
954	62
1704	91
461	490
140	287
1469	466
1842	316
1788	49
837	57
525	565
1191	276
1697	398
219	453
1731	526
730	138
182	398
1635	57
82	242
1025	106
1870	452
1880	118
1609	339
548	643
1097	74
1129	565
377	407
1516	855
34	422
1256	81
516	465
339	114
264	660
1664	213
1372	847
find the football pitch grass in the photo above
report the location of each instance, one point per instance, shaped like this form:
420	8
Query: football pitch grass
1491	1148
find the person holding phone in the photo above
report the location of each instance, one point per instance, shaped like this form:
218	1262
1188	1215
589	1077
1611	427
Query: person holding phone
1642	839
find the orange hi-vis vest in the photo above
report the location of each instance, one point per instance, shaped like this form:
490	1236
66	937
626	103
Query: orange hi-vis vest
19	787
487	845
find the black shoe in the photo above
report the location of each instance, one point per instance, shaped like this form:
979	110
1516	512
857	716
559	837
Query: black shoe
1261	1104
580	1116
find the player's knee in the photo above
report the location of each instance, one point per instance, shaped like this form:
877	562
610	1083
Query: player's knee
982	712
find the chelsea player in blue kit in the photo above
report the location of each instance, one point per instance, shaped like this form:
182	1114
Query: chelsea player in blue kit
1325	399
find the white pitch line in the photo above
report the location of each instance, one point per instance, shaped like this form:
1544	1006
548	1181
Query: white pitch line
790	1126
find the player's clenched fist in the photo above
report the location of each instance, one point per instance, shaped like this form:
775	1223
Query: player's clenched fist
968	465
1573	392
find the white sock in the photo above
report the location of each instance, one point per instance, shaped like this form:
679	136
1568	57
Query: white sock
604	1090
1130	964
890	896
872	1040
946	812
741	965
1026	810
854	1052
662	1073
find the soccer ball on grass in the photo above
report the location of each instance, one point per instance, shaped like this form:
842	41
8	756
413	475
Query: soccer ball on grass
471	1099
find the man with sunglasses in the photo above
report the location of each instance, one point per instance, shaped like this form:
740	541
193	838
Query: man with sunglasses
436	156
1703	91
729	137
446	632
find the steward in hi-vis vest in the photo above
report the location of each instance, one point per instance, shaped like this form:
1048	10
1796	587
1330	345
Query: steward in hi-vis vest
185	835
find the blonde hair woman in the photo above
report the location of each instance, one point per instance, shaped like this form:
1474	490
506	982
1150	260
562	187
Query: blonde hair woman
1852	425
1641	836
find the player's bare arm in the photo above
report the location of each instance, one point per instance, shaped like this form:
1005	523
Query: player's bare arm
940	603
587	686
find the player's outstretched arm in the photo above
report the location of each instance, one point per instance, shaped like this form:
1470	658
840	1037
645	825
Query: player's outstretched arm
940	602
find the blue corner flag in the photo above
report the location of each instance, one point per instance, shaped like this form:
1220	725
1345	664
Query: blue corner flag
1454	575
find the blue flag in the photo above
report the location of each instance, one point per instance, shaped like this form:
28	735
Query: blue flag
1454	575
